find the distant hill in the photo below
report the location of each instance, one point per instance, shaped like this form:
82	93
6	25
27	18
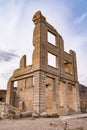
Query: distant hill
83	92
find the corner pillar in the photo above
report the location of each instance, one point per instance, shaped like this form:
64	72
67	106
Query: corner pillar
77	99
56	97
66	98
39	92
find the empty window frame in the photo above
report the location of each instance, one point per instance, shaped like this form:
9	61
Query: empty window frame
51	38
51	60
15	84
68	67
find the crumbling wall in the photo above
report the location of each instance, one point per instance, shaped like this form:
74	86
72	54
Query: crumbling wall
8	111
23	98
42	86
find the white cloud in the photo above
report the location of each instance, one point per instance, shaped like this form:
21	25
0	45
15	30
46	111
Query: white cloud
81	18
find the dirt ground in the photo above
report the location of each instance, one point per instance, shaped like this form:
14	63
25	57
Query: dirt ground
70	123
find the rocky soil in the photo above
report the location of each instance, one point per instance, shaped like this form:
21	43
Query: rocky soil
61	123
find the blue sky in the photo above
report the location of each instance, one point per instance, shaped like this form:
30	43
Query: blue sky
69	17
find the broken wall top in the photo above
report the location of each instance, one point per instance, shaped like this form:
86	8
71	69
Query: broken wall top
42	48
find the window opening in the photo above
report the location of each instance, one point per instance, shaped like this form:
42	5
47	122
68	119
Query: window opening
68	67
51	60
15	84
51	38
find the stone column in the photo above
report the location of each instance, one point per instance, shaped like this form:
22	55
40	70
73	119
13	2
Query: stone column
76	98
39	92
63	96
74	65
56	97
9	94
66	98
61	57
42	92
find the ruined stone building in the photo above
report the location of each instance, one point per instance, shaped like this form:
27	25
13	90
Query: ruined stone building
42	86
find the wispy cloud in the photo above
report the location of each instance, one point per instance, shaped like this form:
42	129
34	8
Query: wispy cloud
81	18
7	56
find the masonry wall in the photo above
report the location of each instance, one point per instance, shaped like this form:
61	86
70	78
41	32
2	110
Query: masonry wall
23	96
41	86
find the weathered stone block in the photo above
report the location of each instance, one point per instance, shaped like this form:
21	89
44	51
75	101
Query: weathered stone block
26	114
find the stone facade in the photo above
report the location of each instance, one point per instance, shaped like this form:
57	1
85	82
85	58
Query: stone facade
41	86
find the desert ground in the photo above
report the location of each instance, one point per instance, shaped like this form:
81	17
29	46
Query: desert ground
75	122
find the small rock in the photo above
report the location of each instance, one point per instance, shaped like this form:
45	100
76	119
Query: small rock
43	114
11	116
34	115
55	115
4	115
54	124
26	114
17	115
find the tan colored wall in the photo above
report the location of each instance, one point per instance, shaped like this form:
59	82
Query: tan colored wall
24	93
50	94
53	89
